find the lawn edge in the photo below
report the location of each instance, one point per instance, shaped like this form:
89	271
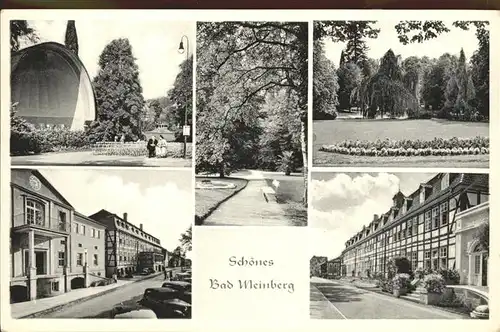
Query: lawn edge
198	221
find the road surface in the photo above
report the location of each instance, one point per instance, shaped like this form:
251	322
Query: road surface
335	300
97	305
249	207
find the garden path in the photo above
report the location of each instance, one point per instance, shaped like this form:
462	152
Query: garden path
249	207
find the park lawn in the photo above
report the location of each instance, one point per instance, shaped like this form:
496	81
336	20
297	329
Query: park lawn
207	200
327	132
289	193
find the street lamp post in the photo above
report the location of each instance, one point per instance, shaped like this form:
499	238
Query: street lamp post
181	50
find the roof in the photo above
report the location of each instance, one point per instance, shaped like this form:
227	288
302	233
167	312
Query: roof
89	219
456	180
47	183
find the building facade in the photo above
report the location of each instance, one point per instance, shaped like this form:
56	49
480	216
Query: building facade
429	227
334	267
43	257
124	243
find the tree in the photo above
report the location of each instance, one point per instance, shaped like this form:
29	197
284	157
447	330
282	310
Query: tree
386	92
71	38
21	31
436	81
325	85
482	235
354	33
181	95
238	64
349	79
118	94
186	239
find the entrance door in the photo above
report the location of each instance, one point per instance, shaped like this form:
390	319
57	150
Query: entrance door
40	261
485	271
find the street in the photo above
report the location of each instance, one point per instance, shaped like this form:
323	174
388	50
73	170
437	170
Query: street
100	305
335	300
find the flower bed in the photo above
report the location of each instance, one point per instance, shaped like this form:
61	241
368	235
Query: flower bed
138	149
435	147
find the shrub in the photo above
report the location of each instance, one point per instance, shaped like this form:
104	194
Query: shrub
401	281
398	265
419	273
23	137
450	276
434	283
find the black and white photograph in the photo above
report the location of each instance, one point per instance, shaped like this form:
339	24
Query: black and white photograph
251	123
401	93
100	244
399	246
101	92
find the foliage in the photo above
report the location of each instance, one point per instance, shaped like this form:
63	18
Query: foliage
118	94
238	64
325	85
434	283
186	239
352	32
398	265
450	276
483	236
419	273
71	38
20	31
23	137
401	281
181	95
349	78
422	30
435	147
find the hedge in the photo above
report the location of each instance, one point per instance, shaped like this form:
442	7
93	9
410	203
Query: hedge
137	149
435	147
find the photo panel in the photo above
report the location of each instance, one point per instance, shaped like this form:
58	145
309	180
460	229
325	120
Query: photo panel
401	93
105	92
251	123
94	243
399	245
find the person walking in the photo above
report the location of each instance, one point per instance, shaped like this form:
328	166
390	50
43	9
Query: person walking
165	273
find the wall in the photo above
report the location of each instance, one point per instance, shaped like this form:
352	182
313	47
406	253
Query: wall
93	244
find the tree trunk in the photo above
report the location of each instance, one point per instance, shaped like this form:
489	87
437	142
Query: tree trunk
221	171
303	143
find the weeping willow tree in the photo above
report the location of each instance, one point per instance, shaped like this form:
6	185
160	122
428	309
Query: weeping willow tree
385	92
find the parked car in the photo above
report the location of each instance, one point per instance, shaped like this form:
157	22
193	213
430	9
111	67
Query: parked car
165	303
183	276
135	314
147	271
184	289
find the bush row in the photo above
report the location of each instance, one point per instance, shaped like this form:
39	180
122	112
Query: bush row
435	147
174	150
46	140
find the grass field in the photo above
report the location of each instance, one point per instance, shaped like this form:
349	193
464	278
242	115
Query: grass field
208	199
334	131
290	192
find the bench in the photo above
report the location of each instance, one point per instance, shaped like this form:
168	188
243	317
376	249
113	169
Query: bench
269	193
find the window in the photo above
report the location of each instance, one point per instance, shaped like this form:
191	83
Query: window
62	220
96	247
35	213
98	234
427	220
60	258
415	226
93	232
477	264
79	245
79	259
434	259
55	286
443	254
96	260
76	228
435	217
82	229
444	213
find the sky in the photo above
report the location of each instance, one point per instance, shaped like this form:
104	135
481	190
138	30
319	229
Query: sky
450	42
161	200
154	44
342	203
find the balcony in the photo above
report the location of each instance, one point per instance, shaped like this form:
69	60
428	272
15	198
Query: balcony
49	226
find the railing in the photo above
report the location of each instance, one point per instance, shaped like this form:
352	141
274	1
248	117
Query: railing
52	224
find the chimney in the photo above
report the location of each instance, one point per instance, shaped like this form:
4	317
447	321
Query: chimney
140	226
125	216
375	217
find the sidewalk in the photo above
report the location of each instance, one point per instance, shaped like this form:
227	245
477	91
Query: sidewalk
35	307
320	307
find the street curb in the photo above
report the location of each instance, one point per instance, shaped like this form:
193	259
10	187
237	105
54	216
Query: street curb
199	220
83	299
